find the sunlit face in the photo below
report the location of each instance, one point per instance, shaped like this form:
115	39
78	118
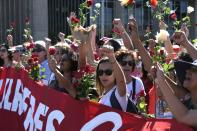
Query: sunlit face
3	53
65	63
127	64
106	75
190	81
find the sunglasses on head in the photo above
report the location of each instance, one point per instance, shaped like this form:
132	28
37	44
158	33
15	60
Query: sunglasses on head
3	50
124	63
107	72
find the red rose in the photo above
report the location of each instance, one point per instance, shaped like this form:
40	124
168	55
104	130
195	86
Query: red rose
153	3
151	53
74	47
173	16
31	45
130	2
78	74
76	84
74	20
89	3
30	61
89	69
52	50
35	58
161	51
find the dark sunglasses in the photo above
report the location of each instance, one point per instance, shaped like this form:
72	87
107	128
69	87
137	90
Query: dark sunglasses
3	50
124	63
107	72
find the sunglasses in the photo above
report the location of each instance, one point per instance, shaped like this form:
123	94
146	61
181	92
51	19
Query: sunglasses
124	63
3	50
107	72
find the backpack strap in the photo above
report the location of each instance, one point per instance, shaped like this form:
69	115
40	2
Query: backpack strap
114	102
134	88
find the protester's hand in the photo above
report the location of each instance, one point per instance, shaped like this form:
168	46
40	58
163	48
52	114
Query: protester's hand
61	36
185	29
180	38
162	25
10	40
108	51
118	25
133	28
48	43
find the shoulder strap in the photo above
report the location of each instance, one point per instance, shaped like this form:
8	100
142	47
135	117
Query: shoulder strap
134	88
114	102
130	105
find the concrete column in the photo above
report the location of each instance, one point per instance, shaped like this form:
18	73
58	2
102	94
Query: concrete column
39	19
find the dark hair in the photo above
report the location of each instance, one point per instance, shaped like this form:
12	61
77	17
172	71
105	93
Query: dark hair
73	59
184	56
115	44
122	53
99	85
9	52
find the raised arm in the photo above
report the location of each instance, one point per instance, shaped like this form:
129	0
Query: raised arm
146	58
118	73
123	34
180	38
181	113
62	81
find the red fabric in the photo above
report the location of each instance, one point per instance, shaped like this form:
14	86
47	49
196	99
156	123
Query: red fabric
152	100
75	113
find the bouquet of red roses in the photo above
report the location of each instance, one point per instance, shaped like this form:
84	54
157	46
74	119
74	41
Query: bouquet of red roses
84	82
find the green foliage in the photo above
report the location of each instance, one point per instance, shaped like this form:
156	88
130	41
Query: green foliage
161	10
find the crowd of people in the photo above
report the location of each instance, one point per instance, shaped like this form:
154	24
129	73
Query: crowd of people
125	72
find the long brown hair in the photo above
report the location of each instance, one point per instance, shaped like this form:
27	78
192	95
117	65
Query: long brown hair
99	85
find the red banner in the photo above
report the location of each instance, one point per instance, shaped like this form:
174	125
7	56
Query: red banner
28	105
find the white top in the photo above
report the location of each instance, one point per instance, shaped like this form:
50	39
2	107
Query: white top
105	100
139	89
